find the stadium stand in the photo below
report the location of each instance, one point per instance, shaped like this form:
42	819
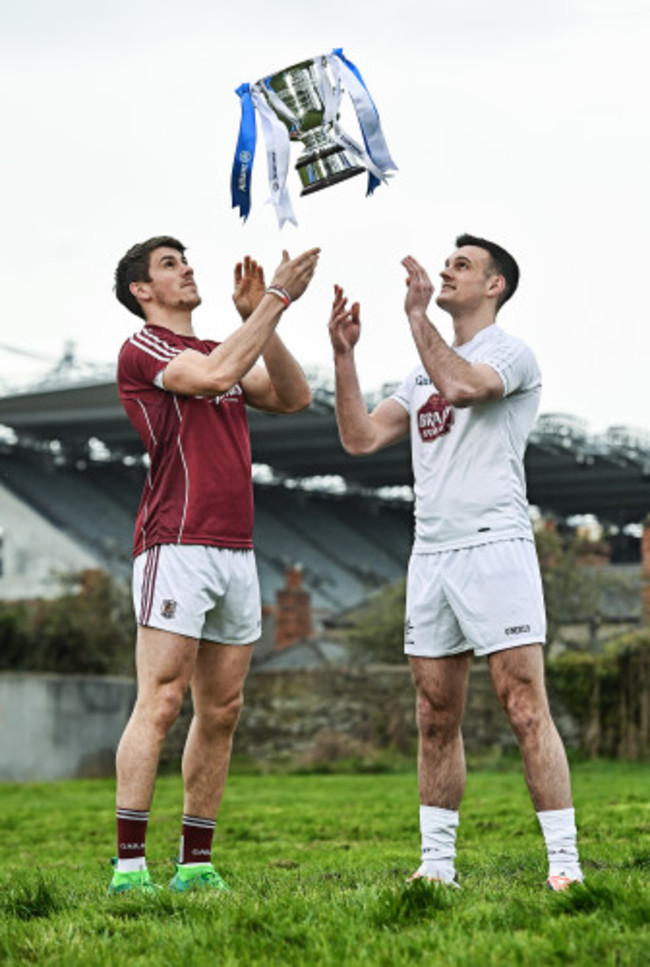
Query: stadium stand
346	549
340	564
68	498
348	543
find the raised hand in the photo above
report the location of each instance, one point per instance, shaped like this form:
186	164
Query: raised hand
345	324
249	286
419	286
294	275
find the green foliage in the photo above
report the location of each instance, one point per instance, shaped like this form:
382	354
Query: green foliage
376	628
624	694
14	635
609	693
317	867
624	648
567	595
575	593
574	676
88	629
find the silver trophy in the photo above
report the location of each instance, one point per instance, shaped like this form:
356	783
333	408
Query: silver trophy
301	103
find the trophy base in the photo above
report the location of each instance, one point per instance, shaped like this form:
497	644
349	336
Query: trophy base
324	168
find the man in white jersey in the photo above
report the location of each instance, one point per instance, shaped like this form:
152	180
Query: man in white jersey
195	586
473	580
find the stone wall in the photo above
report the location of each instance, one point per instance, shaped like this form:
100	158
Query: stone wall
68	726
61	726
318	715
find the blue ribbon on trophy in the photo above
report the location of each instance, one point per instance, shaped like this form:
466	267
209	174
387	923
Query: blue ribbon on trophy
242	169
301	103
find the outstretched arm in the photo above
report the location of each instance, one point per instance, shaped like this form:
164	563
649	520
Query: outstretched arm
361	432
460	382
280	386
192	373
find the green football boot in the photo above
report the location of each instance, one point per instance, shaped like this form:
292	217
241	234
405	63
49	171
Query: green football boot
138	881
203	876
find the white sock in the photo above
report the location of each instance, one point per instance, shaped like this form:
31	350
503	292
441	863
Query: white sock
560	836
131	866
438	828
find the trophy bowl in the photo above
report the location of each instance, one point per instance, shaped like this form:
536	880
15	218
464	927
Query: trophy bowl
299	104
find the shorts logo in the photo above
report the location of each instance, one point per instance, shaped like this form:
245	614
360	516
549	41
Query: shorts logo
518	630
435	418
168	608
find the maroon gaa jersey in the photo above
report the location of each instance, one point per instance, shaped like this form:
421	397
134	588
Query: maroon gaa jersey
198	488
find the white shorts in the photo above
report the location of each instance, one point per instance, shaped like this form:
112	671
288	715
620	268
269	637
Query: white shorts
202	592
482	599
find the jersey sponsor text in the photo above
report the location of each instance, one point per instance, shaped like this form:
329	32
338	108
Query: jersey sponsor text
435	418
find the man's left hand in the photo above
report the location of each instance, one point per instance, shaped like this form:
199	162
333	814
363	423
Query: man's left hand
249	286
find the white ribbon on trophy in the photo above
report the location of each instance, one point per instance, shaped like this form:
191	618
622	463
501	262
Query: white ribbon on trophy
377	149
332	102
276	138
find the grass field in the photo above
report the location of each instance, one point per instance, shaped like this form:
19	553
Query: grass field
317	865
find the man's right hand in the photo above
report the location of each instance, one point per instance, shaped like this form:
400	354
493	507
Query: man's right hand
345	324
419	287
294	275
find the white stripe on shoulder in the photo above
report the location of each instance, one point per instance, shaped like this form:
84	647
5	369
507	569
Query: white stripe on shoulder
154	347
155	340
149	352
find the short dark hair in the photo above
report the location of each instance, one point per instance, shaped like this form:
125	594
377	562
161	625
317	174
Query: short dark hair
501	263
134	267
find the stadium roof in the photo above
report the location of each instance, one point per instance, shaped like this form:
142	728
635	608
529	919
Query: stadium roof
569	471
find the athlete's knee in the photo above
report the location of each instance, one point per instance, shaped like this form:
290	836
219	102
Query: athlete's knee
527	713
221	716
163	708
227	715
437	720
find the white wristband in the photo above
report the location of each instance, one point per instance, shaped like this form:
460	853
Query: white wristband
281	294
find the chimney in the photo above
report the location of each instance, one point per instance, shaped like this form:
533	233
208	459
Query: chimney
293	610
645	572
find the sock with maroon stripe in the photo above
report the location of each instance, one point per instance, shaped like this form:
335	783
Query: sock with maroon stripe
196	840
131	839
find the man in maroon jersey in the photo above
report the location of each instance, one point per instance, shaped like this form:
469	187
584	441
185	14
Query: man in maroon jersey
195	586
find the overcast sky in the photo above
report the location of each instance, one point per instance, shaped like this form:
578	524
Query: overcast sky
522	121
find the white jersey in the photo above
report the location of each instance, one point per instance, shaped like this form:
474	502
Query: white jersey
470	486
